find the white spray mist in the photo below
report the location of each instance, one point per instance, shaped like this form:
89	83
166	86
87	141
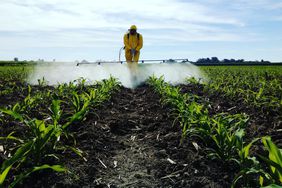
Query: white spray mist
55	73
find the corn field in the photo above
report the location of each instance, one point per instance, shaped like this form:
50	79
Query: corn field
221	131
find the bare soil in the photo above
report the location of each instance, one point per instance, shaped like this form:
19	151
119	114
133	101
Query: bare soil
132	140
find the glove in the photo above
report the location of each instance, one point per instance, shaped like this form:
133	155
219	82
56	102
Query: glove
133	51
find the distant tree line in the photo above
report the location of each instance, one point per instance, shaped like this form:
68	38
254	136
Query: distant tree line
215	60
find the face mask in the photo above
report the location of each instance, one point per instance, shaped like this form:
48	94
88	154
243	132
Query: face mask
132	32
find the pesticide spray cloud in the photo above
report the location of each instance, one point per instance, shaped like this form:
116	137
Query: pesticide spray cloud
56	73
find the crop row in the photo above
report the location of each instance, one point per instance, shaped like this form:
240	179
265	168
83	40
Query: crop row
260	87
45	118
223	136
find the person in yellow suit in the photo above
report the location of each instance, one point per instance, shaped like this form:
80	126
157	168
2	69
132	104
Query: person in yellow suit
133	43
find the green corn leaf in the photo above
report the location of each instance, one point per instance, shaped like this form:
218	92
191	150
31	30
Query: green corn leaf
19	178
78	116
40	125
11	137
239	134
16	107
246	149
276	169
18	156
272	186
248	171
57	168
76	101
29	89
275	157
45	137
77	151
12	113
4	174
55	109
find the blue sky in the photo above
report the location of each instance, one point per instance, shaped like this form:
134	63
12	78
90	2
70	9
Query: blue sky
69	30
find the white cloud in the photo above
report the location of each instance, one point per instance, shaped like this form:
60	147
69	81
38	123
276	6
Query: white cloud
96	23
278	18
39	15
88	22
252	4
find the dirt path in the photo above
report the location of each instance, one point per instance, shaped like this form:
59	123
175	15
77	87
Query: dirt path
138	146
130	141
129	116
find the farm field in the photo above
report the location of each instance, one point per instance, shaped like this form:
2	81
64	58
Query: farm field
221	131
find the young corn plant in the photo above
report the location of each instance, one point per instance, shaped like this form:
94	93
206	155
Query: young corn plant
78	116
42	82
44	137
227	134
191	115
274	161
21	109
84	101
270	177
36	148
249	165
258	87
14	112
77	102
31	146
194	121
43	143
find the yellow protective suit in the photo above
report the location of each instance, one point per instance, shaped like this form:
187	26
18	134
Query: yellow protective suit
132	42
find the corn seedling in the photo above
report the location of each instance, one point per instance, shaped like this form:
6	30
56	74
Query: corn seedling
274	161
